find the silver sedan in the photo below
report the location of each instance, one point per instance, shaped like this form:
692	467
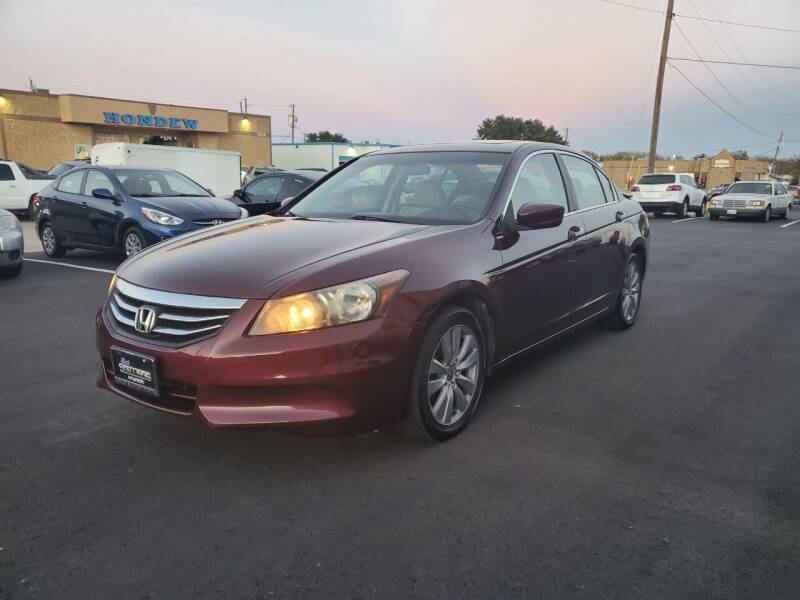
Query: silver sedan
12	246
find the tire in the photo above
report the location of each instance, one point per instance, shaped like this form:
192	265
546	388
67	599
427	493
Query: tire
683	210
132	242
31	210
786	212
658	213
701	212
433	367
622	317
766	215
52	247
12	272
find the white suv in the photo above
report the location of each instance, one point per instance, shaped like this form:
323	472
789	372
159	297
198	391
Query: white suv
675	192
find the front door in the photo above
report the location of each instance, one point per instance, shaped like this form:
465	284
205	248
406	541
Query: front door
262	194
543	279
103	216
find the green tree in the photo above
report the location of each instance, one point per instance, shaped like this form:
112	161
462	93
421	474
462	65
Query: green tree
326	136
740	155
699	156
516	128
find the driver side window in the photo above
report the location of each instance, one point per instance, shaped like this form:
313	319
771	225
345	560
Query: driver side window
266	186
539	182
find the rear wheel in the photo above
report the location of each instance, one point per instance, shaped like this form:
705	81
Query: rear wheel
626	308
448	377
683	210
50	243
701	212
133	242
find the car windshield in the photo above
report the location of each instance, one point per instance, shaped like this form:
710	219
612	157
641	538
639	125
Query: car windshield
431	188
747	187
656	179
60	168
157	184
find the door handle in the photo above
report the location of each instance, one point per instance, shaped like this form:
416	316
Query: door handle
13	186
85	204
619	216
574	232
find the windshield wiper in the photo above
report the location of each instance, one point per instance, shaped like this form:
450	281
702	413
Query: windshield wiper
369	217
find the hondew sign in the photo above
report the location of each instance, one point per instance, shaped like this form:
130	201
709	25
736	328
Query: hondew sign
114	118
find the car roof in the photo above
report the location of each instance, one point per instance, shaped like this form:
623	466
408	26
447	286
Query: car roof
478	146
753	181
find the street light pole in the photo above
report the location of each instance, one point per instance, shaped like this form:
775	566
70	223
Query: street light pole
651	158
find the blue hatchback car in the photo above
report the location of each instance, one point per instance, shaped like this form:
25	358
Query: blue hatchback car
124	208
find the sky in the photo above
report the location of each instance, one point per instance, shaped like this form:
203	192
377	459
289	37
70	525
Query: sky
418	71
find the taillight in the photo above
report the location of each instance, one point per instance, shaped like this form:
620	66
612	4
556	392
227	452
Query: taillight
635	188
35	200
795	192
673	188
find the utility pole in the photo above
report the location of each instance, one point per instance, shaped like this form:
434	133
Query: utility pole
566	137
33	87
243	111
292	122
662	63
775	158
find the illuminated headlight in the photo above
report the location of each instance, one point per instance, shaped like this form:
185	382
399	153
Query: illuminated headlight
8	223
159	217
338	305
243	214
112	284
716	202
755	203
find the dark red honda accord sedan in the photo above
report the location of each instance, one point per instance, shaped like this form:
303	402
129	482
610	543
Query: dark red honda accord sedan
384	293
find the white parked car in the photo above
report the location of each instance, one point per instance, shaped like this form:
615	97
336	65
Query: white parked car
762	199
670	192
18	186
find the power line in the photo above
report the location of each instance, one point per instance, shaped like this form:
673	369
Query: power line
768	27
652	10
715	103
730	62
717	79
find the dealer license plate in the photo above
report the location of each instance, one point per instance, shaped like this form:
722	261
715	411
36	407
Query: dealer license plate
731	211
135	371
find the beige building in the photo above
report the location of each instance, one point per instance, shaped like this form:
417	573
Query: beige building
708	172
41	129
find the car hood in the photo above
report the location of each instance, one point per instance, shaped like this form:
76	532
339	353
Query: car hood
193	207
239	259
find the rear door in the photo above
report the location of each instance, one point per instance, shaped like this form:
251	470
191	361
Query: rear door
597	204
292	186
102	216
69	208
11	190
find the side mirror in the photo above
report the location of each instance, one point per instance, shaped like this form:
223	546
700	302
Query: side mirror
286	201
238	193
540	216
103	194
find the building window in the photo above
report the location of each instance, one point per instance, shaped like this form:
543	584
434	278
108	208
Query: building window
159	140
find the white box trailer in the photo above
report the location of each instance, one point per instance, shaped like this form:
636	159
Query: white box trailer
217	170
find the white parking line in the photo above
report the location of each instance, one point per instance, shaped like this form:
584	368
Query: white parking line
50	262
686	219
788	224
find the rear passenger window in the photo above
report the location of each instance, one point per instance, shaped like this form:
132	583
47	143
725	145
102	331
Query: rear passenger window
606	185
6	174
71	184
539	182
588	191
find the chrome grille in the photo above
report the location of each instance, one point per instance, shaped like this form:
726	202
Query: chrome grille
180	319
734	202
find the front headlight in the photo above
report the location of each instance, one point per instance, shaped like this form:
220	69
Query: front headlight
755	203
8	222
716	202
243	214
112	284
338	305
159	217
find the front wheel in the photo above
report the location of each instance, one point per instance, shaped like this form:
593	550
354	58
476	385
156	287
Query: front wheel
626	308
133	242
448	377
766	215
786	212
713	217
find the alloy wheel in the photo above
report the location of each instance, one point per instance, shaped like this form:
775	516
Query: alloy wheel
453	375
631	291
48	239
133	244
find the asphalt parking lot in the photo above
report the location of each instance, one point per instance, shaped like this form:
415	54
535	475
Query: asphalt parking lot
661	462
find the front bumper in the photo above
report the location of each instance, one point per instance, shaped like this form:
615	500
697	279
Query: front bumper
339	380
12	248
718	211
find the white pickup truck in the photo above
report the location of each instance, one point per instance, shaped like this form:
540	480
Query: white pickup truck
18	185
